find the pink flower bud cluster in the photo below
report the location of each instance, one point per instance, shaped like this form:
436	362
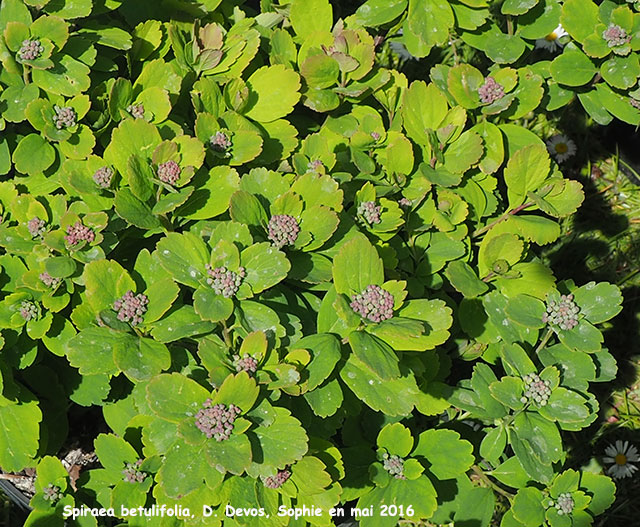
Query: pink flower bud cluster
132	472
404	202
49	280
136	110
536	390
29	310
221	142
36	227
223	281
635	103
78	232
490	91
103	177
65	117
52	493
283	230
369	212
245	363
615	36
564	504
374	304
217	420
131	308
314	166
275	482
563	313
394	465
30	50
169	172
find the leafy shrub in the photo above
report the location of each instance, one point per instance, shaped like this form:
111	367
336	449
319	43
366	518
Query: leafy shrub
287	275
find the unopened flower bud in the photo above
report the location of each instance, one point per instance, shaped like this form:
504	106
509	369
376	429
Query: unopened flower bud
30	50
490	91
103	177
374	304
283	230
563	314
216	420
65	117
131	308
369	212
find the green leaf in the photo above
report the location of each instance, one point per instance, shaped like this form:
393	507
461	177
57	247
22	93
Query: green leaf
427	25
134	211
526	310
526	170
174	397
463	82
375	13
106	281
375	354
463	152
465	280
424	109
357	266
212	193
396	439
448	455
68	77
101	342
621	72
517	7
579	17
497	249
240	390
19	434
265	266
309	16
493	444
508	391
565	406
583	337
33	155
181	323
284	441
246	208
141	358
326	399
598	302
572	68
393	397
274	91
542	436
185	257
211	306
527	506
601	489
69	9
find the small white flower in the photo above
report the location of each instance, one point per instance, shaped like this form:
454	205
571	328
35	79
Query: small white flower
561	147
552	41
622	456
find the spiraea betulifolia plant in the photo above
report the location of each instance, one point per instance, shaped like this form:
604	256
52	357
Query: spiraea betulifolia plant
277	272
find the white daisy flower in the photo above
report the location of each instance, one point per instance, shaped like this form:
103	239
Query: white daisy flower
622	456
561	148
552	41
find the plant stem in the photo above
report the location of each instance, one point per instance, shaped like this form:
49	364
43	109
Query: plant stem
502	218
25	74
477	470
544	341
509	25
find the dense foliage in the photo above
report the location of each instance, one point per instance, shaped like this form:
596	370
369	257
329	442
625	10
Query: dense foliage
289	275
